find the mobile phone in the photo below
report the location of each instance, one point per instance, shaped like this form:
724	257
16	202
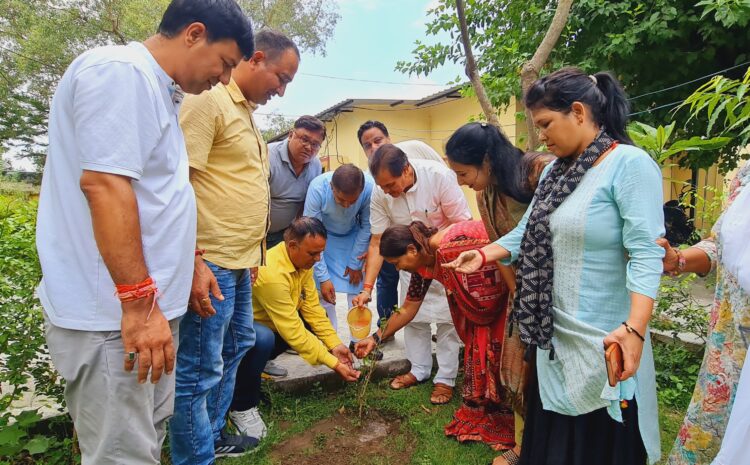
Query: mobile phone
614	359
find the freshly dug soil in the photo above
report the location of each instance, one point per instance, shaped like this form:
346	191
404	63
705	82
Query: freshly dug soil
344	440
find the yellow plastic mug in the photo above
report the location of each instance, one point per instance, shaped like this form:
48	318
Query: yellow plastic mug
359	320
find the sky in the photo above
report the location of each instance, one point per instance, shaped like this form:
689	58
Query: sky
370	37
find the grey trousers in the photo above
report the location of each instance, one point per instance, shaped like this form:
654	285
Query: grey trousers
118	421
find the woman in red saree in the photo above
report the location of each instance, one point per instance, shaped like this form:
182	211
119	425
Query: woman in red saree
478	303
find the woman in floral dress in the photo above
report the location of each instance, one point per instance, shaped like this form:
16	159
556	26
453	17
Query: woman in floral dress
726	252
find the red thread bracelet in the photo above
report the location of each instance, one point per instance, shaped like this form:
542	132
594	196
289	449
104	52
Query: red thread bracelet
199	252
142	290
484	257
368	286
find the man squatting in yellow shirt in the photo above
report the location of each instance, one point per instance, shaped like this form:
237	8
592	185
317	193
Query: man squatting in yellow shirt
286	307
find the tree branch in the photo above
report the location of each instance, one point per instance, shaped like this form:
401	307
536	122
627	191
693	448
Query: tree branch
471	69
530	70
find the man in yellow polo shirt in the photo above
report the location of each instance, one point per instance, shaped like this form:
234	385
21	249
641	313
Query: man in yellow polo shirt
288	312
229	172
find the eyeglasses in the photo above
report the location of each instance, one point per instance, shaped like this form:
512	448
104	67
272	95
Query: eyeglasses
304	140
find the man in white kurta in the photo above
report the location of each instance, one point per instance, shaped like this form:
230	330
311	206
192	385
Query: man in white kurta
425	191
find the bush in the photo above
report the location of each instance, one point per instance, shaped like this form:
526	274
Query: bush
25	360
676	372
676	311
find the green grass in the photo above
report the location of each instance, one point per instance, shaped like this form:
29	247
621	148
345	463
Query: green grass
670	420
291	415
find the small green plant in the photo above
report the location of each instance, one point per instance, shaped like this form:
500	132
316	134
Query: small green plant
25	363
676	310
369	364
320	440
676	372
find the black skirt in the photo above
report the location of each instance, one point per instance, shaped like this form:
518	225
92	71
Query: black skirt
551	438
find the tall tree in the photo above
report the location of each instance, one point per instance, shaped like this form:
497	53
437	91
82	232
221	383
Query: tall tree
650	45
39	39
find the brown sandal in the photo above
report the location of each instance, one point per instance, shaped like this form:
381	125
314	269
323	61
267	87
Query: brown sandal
442	394
404	381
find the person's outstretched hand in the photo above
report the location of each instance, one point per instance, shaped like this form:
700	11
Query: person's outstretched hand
362	299
363	348
468	262
342	353
346	372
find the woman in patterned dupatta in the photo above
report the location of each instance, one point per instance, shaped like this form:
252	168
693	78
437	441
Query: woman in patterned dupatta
589	270
504	178
477	302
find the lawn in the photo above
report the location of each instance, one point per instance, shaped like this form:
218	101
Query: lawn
415	433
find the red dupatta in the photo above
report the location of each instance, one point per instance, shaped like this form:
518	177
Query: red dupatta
478	303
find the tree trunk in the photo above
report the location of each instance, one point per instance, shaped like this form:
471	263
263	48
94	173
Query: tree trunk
472	72
530	70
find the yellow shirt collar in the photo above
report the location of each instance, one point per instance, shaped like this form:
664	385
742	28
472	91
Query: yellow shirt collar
281	255
237	96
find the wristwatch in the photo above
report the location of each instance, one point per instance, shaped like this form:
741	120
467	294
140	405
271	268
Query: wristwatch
376	337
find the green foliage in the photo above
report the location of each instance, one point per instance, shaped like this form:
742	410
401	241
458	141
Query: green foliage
676	311
727	12
310	23
676	373
276	124
656	141
25	360
683	40
29	439
39	39
726	103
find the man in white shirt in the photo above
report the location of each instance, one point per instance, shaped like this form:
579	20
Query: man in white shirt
426	191
371	135
117	213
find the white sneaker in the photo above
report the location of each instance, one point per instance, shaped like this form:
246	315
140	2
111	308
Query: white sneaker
249	423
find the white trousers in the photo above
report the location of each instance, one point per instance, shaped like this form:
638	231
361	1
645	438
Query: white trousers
418	336
418	342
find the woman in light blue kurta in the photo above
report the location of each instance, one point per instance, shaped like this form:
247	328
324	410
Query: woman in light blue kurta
598	216
341	200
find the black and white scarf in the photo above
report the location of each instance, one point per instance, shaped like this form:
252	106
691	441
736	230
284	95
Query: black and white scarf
532	308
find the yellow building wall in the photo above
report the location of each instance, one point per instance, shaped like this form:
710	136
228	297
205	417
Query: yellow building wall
433	124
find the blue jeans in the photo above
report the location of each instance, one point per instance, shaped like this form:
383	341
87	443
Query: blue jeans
387	287
209	353
268	345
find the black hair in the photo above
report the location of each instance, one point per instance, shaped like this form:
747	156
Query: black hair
310	123
601	92
390	157
348	179
472	143
396	239
304	226
224	19
273	43
367	125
